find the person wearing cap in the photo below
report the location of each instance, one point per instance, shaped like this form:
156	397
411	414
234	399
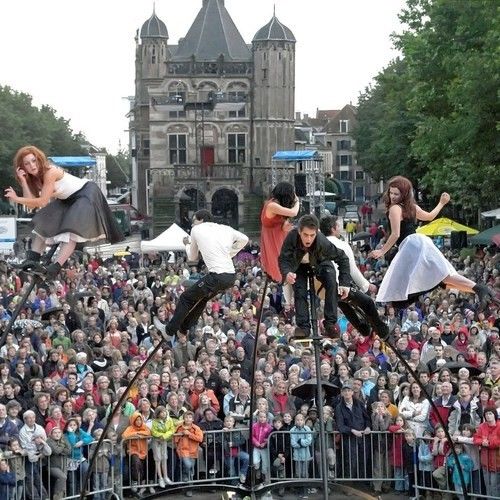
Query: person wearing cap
331	228
353	423
307	250
218	244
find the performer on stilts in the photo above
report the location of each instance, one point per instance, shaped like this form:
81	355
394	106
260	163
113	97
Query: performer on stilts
307	250
274	218
72	210
357	300
218	244
418	266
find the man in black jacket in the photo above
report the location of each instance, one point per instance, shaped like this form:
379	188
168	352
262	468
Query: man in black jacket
307	250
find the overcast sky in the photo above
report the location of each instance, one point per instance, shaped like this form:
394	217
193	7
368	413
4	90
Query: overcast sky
78	56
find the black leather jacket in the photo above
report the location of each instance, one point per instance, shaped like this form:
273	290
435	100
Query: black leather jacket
321	252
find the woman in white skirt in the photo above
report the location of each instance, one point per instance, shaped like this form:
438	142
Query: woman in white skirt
72	210
418	266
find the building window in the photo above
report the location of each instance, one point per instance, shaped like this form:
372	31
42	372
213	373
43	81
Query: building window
145	147
360	175
359	193
345	175
344	145
344	160
236	148
237	96
180	97
177	151
153	56
344	126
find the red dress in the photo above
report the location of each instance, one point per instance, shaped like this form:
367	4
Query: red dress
271	241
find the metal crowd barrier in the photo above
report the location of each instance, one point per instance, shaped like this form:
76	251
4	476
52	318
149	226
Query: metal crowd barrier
222	461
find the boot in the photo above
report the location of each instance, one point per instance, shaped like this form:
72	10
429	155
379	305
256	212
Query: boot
53	270
32	260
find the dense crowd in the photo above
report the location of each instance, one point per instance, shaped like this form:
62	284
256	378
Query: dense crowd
79	341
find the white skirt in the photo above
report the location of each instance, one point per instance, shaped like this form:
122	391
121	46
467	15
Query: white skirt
417	268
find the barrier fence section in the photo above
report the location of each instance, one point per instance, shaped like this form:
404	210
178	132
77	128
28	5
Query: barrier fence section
287	461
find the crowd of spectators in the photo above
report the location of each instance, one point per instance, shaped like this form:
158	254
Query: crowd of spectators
78	342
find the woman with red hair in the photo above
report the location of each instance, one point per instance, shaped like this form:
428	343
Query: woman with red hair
418	266
72	209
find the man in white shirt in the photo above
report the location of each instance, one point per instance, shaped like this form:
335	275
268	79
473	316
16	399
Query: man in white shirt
218	244
358	307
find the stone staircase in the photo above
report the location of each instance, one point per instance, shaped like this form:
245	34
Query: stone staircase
251	218
163	214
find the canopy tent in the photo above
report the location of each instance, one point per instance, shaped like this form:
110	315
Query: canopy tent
296	155
444	227
492	213
73	161
170	239
487	237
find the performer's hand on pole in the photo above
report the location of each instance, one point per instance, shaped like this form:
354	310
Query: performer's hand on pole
344	292
290	278
445	198
185	240
10	194
372	288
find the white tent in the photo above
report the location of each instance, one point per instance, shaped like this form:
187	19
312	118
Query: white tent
171	239
492	213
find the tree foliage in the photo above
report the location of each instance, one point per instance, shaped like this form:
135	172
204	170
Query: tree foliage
119	169
439	102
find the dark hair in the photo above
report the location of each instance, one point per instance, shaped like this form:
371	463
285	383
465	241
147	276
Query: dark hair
203	215
327	224
407	201
284	194
310	221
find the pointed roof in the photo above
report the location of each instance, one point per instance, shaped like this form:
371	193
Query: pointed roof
274	30
154	27
213	33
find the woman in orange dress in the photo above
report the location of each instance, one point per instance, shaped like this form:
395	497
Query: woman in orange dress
276	211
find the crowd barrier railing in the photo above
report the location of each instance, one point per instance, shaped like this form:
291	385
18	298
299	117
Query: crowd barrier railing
289	461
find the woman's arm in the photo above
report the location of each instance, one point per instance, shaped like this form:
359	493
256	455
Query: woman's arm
395	218
46	194
428	216
274	208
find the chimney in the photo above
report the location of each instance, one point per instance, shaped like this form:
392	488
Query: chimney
306	116
298	116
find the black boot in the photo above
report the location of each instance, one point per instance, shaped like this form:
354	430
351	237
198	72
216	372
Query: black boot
32	260
53	270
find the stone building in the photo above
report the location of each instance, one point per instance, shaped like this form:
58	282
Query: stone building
207	116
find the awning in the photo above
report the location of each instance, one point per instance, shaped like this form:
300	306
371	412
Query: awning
300	155
444	227
491	235
492	213
73	161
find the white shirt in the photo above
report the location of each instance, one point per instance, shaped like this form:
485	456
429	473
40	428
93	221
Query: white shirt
356	274
218	245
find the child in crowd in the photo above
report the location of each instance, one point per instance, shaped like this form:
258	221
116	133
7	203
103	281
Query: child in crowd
7	481
466	463
439	449
425	459
236	458
77	464
381	420
135	436
16	456
466	438
301	440
398	429
330	439
279	451
102	465
162	430
260	434
61	450
188	438
410	460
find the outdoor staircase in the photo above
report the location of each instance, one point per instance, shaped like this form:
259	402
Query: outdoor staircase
163	214
251	218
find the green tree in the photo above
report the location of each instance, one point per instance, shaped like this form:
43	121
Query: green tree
22	123
119	169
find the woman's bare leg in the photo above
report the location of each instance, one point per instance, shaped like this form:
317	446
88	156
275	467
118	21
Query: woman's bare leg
66	251
460	283
38	245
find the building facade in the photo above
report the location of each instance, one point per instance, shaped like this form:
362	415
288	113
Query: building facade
207	116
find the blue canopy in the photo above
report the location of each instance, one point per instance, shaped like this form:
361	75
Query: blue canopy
296	155
73	161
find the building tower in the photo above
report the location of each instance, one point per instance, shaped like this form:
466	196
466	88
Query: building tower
273	48
151	56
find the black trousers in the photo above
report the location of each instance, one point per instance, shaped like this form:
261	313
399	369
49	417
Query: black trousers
326	274
361	301
194	299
